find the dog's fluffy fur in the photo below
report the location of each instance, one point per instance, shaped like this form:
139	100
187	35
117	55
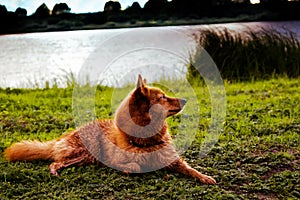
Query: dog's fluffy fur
136	141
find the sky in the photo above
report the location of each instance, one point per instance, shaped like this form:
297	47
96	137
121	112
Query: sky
254	1
77	6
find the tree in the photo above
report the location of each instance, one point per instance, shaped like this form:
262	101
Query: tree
156	6
241	1
187	7
184	6
224	2
272	2
135	7
247	2
21	12
112	6
3	10
42	11
60	8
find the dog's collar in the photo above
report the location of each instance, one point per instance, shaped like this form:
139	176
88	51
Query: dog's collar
145	145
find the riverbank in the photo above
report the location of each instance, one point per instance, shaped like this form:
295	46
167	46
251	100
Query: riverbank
70	22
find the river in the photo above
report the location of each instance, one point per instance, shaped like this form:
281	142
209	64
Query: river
110	56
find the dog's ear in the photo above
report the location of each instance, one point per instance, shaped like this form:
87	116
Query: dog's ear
140	82
141	85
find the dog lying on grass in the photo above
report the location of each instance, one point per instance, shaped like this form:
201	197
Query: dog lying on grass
136	141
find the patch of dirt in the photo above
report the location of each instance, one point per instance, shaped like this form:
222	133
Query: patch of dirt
265	149
261	196
271	172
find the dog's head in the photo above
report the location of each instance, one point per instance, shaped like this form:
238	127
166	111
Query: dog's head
147	98
143	113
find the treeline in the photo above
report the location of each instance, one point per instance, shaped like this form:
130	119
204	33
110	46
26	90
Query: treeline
181	8
41	11
175	7
60	16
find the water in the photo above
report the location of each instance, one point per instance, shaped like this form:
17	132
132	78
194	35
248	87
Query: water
111	57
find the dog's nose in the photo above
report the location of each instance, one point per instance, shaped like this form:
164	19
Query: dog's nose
182	102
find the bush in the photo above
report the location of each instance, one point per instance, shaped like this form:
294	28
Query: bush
250	55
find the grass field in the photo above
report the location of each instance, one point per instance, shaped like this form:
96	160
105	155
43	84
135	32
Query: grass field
256	157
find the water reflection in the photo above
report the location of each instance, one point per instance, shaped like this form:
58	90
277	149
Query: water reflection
32	59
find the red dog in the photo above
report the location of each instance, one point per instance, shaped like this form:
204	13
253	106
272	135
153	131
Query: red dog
136	141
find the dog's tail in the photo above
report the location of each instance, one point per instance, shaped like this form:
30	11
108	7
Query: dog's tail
29	150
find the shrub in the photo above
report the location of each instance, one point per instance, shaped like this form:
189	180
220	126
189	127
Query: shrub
250	55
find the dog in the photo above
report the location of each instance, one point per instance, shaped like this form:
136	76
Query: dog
135	141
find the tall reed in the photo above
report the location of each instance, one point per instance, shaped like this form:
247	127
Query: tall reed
249	55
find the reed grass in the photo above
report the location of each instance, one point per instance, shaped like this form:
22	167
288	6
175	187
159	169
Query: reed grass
259	54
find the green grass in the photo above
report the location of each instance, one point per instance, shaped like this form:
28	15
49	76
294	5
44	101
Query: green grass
256	157
259	54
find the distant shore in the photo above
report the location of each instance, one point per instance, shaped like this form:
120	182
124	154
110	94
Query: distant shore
72	22
154	13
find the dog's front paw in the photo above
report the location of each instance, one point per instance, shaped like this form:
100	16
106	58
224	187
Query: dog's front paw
207	179
55	167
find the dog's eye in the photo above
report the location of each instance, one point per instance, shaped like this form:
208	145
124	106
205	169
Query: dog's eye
163	97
